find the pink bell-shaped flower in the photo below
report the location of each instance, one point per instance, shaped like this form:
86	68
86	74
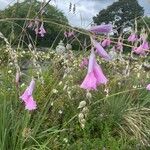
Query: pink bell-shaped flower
42	30
133	37
27	96
139	50
94	76
106	42
89	82
145	45
100	50
101	79
103	28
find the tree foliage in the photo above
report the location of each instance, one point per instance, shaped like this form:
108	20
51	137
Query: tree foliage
121	13
28	9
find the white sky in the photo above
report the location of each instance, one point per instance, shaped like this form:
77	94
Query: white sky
85	9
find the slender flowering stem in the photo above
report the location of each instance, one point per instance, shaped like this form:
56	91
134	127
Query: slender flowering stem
122	92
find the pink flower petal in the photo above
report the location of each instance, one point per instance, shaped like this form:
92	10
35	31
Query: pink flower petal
104	28
89	82
139	50
101	79
106	42
30	104
132	38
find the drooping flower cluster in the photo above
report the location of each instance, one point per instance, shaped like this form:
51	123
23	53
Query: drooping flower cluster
27	98
142	43
39	29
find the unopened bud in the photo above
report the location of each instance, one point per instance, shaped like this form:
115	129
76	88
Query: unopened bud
85	110
81	116
82	104
88	95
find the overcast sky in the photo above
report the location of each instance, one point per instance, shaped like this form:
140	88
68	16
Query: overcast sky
85	9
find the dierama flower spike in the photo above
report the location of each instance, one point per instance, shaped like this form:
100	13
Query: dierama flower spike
27	97
100	50
104	28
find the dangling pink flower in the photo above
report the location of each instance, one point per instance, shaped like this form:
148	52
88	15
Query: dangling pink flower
133	37
42	30
145	45
103	28
106	42
101	79
142	48
148	87
89	82
100	50
70	33
84	63
139	50
95	75
27	97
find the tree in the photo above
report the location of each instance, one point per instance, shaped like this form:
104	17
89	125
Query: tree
29	9
122	13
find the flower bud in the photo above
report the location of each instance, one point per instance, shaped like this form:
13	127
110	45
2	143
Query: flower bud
85	110
88	95
82	104
81	116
